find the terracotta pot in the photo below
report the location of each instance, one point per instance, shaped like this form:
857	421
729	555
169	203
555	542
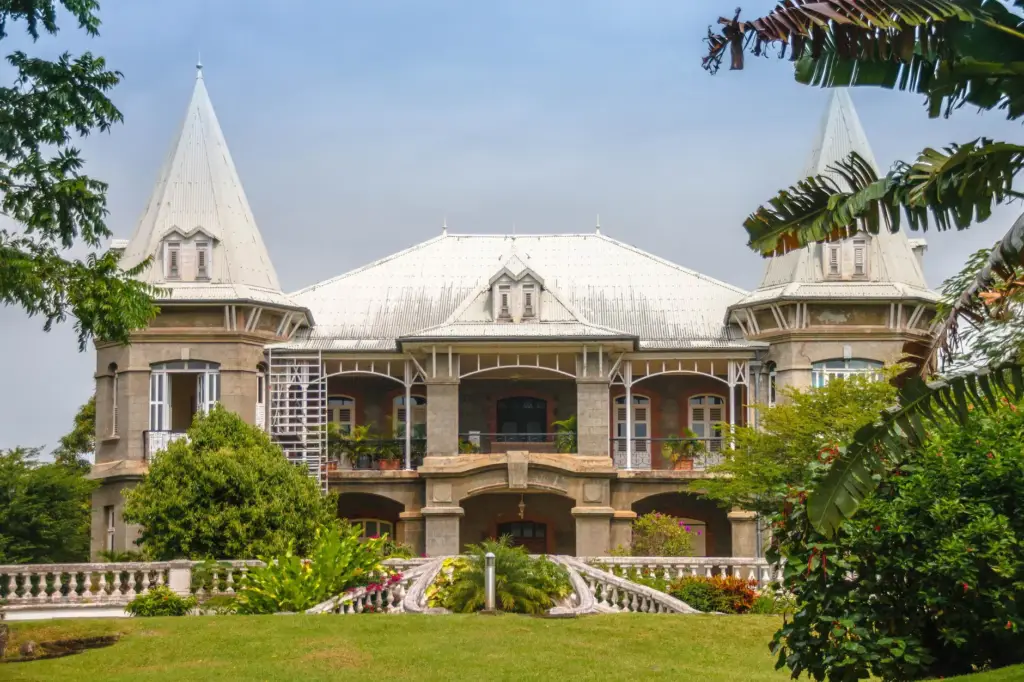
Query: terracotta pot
389	465
684	464
332	466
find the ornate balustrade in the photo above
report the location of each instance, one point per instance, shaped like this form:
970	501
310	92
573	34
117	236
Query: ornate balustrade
157	441
93	584
671	568
612	594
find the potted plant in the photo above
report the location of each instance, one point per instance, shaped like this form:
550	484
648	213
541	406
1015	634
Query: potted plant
389	455
681	450
566	435
357	446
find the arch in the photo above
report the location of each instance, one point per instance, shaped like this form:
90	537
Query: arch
484	370
362	505
678	373
717	535
185	366
358	372
485	512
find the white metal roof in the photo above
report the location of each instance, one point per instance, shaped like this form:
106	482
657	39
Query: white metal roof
608	289
199	189
895	271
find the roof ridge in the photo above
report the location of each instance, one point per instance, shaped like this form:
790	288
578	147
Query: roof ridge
379	261
677	266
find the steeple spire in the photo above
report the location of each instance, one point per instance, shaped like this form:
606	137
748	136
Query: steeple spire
198	203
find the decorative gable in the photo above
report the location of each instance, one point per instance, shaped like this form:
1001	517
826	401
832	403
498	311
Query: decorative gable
516	292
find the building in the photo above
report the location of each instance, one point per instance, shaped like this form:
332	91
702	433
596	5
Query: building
446	368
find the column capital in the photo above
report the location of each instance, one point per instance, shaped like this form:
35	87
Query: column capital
741	515
443	511
593	512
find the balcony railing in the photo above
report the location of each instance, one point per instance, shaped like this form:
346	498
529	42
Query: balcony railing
695	454
474	442
155	441
377	454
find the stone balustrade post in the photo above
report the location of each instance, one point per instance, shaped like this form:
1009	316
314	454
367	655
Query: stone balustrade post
744	533
179	577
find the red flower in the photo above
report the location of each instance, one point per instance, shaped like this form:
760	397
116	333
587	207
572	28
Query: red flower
990	455
878	528
966	587
1009	625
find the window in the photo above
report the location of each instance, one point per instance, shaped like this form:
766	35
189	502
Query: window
771	386
113	402
529	300
375	528
504	291
159	404
341	410
172	259
833	255
419	416
640	418
707	412
522	419
825	371
202	260
108	517
261	388
860	255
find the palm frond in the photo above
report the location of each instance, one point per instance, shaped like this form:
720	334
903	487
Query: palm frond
856	472
954	52
951	188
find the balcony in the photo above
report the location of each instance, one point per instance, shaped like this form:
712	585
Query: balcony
675	454
157	441
373	454
475	442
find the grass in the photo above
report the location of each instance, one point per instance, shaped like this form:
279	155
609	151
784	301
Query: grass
375	647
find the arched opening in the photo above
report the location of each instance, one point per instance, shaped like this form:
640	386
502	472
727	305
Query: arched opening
375	513
702	515
544	524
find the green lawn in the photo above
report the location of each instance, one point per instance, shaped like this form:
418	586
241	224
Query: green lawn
368	647
376	647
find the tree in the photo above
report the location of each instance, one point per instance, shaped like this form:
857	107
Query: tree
953	52
49	104
44	510
774	455
227	492
81	441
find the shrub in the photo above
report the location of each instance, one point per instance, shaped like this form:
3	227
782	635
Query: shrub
938	555
396	550
160	601
226	492
772	604
522	584
339	561
658	534
724	594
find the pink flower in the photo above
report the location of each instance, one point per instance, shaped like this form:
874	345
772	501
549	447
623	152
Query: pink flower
699	533
687	529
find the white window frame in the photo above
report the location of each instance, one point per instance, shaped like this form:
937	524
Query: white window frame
113	404
380	524
504	301
204	257
172	260
860	257
261	397
833	257
825	370
704	425
335	412
641	407
159	401
419	413
207	391
109	518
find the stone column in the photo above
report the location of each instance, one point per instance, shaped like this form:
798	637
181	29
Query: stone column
410	530
593	530
622	529
744	533
443	419
442	530
592	410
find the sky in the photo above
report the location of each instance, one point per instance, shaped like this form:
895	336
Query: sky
357	127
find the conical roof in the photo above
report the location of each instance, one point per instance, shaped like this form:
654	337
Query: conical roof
199	193
894	269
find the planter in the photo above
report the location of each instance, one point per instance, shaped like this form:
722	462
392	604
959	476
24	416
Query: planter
332	466
684	464
363	462
389	465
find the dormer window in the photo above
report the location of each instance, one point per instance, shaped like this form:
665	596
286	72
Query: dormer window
172	260
202	260
860	257
833	260
529	300
504	293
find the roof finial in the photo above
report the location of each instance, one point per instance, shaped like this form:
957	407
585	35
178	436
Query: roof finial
199	65
598	230
444	226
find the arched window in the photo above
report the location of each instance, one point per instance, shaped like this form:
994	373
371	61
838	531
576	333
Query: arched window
261	395
772	395
341	410
419	416
640	418
707	412
826	370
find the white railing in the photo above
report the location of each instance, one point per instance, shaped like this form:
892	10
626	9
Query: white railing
219	580
388	597
157	441
33	585
612	594
671	568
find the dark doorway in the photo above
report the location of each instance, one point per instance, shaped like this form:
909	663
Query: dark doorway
529	534
522	419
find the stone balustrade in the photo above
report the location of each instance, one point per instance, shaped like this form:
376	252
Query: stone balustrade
388	598
671	568
612	594
34	585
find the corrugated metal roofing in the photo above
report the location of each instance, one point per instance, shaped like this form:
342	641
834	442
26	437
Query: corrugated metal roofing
607	283
892	261
199	189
